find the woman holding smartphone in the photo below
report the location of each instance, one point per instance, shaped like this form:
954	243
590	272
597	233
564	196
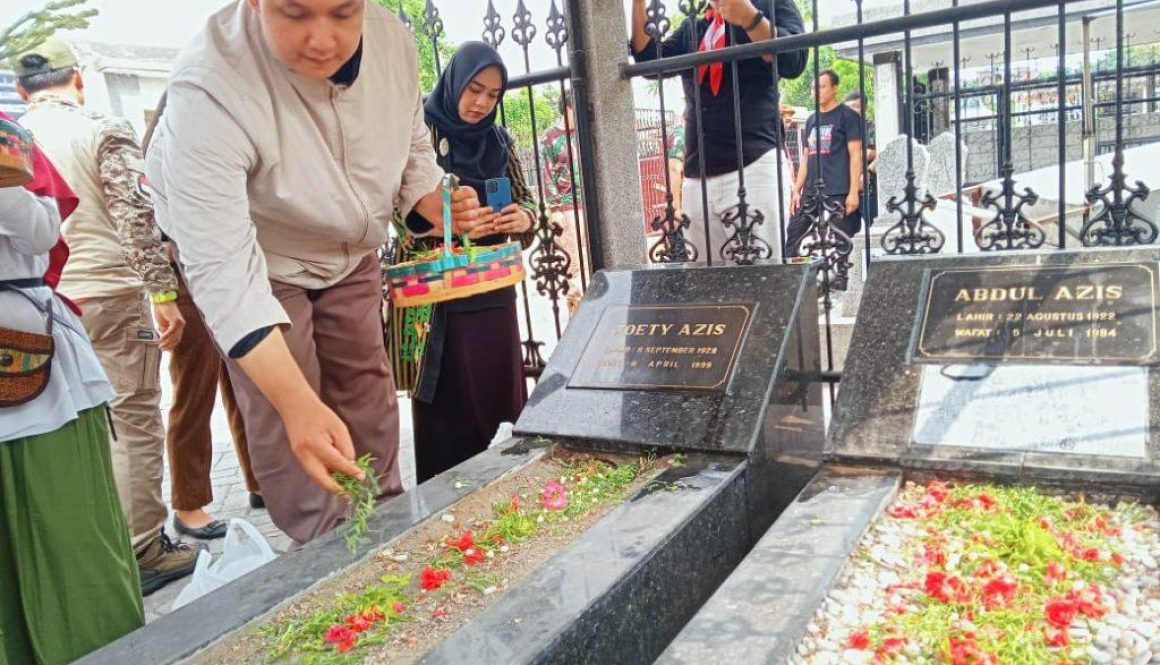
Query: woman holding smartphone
471	374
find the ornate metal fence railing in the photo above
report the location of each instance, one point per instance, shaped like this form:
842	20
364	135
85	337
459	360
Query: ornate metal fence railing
1064	146
1084	193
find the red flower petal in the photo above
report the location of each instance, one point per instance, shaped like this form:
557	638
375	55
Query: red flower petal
337	634
373	614
903	512
937	490
463	542
431	578
1056	637
859	640
999	592
1061	611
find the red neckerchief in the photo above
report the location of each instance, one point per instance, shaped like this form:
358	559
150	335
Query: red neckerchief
714	39
47	182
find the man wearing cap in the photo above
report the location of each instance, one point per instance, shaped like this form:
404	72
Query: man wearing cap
118	264
292	134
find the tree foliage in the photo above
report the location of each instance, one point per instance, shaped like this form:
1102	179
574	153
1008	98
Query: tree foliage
32	29
517	113
412	11
800	91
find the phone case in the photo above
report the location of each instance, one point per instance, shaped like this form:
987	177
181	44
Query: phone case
499	193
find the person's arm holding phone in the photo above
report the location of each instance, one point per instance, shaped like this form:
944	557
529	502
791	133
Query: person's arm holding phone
511	218
523	197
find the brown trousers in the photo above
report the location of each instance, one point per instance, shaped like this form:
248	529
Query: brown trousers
196	370
336	337
121	328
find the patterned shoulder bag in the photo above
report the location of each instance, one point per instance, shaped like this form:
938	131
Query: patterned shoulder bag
25	357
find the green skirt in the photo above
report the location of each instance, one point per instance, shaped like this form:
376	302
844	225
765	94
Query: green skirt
68	578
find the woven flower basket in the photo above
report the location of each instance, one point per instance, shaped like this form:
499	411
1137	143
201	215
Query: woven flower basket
15	155
456	272
460	274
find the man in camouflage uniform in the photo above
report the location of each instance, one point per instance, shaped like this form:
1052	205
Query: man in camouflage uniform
118	263
563	194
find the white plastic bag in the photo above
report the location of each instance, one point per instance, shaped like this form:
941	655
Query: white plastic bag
502	434
244	550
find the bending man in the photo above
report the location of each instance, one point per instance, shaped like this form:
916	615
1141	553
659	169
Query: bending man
294	129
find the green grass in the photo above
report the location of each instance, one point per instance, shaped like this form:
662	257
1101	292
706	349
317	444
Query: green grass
589	484
302	638
1025	531
362	496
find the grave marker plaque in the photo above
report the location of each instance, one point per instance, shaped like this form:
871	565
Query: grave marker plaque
1099	314
678	347
685	359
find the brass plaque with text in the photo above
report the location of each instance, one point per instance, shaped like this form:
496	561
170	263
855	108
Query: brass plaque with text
677	347
1094	314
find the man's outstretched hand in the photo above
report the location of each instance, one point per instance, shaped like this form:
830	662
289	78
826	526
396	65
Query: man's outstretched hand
318	437
322	444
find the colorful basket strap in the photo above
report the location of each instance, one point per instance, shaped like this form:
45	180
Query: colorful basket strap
449	185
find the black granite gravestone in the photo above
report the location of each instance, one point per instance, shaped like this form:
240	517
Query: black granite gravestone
715	363
1029	367
712	360
1020	365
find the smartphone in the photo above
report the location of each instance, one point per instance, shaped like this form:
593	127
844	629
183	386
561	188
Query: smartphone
499	193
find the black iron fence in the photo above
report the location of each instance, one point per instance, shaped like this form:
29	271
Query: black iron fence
932	197
1033	206
1034	109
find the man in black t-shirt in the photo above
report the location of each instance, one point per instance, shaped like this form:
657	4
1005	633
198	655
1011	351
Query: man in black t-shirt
728	23
833	153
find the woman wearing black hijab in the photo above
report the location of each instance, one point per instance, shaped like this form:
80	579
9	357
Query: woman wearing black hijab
471	375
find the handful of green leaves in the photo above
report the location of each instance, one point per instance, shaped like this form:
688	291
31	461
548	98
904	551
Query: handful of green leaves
362	495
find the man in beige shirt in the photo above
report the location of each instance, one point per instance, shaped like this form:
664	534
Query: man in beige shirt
294	130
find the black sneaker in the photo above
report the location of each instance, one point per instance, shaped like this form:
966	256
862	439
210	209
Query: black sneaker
165	561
